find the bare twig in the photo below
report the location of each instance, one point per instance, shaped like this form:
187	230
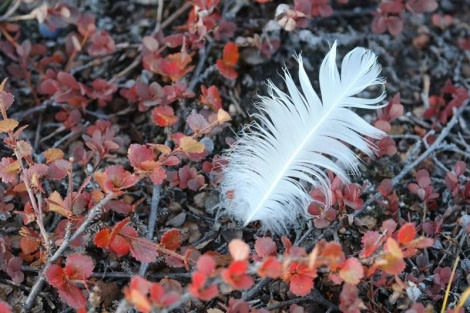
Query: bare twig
152	221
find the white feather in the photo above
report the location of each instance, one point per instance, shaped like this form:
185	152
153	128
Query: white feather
276	160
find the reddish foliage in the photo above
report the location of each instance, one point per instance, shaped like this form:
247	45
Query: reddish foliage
123	238
391	198
199	287
77	269
236	275
115	179
164	116
229	60
384	116
314	7
349	299
265	246
423	187
102	90
406	233
145	296
174	66
171	239
4	307
211	97
101	139
101	44
300	278
65	89
270	267
186	177
441	109
370	243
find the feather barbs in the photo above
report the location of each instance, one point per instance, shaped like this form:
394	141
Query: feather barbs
296	137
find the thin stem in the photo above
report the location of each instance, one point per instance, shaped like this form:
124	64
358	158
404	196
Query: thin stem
152	221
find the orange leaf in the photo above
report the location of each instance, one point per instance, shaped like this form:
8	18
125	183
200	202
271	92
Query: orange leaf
53	154
226	70
102	238
406	233
164	116
56	204
8	125
230	54
190	145
392	262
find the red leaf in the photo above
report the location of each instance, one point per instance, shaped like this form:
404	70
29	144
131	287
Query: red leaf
6	99
270	267
227	71
236	275
73	296
102	238
229	60
211	97
406	233
230	54
114	179
78	267
175	65
143	250
5	308
164	116
265	246
199	289
14	269
370	243
350	302
205	265
158	175
333	254
55	276
137	292
160	298
392	262
141	157
300	285
421	6
171	239
101	44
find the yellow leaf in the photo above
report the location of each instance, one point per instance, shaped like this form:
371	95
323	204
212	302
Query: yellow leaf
53	154
12	168
7	125
189	145
162	148
56	204
2	85
223	116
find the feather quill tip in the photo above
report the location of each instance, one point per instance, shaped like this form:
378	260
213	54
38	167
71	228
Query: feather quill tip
296	137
